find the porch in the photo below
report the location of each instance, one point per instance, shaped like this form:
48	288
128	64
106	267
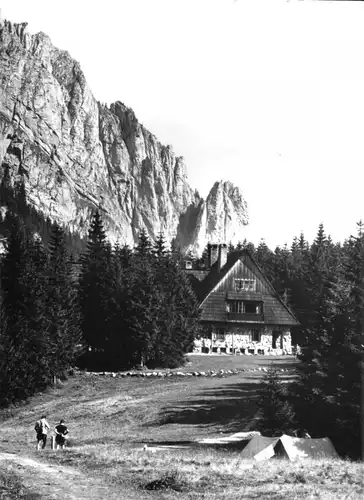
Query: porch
249	339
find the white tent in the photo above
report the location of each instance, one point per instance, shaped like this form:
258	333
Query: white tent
291	448
257	445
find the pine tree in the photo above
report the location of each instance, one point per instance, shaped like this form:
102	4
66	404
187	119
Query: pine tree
302	243
176	315
322	279
94	286
350	339
328	395
318	248
144	246
249	247
117	349
300	283
13	369
294	246
158	311
124	254
140	305
24	368
62	308
264	258
276	414
160	247
282	273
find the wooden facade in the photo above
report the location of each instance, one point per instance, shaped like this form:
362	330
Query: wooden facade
240	310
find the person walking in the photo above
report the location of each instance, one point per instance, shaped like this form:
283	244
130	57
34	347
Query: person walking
61	432
41	428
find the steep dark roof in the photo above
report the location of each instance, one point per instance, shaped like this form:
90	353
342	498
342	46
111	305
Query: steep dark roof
276	311
272	313
215	275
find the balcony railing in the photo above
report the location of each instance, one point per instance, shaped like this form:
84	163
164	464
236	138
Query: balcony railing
233	316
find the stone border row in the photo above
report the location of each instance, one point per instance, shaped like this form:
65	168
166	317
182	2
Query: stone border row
210	373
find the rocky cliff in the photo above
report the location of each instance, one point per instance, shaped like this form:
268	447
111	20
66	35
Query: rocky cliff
75	154
222	215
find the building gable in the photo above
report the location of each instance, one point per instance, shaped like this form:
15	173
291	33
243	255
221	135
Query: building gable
240	292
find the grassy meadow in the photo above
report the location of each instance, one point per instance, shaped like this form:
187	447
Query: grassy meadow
134	438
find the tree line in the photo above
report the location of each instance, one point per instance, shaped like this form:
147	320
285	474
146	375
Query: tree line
137	306
112	308
323	283
40	334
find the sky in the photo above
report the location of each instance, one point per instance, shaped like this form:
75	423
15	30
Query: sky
268	94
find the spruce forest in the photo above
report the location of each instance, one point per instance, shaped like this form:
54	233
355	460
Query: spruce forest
112	307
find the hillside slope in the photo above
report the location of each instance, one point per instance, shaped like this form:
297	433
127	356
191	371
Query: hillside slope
111	420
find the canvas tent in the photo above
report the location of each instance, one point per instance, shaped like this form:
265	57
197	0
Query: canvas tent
291	448
257	445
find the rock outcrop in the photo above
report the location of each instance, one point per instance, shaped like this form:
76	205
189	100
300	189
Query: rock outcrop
221	217
75	154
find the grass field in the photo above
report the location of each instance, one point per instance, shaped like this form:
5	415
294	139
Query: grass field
111	419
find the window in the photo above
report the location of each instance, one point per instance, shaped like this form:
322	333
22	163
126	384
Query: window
255	335
244	285
236	306
239	306
220	334
252	307
188	264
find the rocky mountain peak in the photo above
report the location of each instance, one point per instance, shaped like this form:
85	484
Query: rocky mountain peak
221	217
75	154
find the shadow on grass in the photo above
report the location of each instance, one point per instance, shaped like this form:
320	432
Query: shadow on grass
186	445
230	408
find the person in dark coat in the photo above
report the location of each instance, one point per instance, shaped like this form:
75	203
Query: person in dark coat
61	432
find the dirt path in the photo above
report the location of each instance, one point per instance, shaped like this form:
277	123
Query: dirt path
55	482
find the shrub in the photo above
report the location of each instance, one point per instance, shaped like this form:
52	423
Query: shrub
276	415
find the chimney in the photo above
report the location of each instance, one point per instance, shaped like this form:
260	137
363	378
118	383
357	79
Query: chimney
223	251
217	253
213	254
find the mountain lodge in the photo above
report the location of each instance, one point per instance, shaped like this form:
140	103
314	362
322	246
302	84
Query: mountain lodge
241	313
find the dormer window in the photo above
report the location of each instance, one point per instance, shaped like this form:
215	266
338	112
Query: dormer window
244	285
252	307
244	307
